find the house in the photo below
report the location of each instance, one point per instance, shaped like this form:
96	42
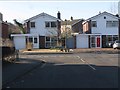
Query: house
68	27
75	25
43	31
98	31
4	28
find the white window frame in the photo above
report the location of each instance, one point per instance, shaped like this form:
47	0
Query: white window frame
50	24
111	24
94	23
31	25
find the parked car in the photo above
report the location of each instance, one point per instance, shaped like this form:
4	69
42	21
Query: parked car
116	44
110	44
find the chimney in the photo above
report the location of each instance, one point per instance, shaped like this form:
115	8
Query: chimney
58	15
71	18
1	17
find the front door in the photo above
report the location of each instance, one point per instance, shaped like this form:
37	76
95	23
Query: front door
95	42
98	42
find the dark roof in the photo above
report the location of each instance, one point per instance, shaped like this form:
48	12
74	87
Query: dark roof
70	22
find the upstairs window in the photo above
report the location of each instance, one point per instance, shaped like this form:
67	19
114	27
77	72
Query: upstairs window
111	23
94	24
32	24
47	24
50	24
53	24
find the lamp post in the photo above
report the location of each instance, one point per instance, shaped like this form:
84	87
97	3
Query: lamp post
65	34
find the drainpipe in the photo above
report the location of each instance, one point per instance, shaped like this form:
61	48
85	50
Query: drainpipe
119	29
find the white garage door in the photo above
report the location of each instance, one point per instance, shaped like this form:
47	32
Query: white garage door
19	42
82	41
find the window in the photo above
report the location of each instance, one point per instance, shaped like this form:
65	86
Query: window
47	38
47	24
111	23
32	24
30	39
94	24
50	24
111	38
35	40
51	42
104	17
53	24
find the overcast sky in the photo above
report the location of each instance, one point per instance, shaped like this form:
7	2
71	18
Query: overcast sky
22	10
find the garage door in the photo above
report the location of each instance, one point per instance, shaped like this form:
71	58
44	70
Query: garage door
82	41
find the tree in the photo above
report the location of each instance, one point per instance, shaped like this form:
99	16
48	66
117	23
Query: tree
20	25
66	32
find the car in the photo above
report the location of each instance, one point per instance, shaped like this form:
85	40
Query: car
116	44
110	44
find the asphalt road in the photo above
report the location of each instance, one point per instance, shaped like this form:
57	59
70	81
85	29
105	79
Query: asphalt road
80	70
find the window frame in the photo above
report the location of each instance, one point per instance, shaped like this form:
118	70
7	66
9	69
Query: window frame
32	24
94	23
110	24
51	24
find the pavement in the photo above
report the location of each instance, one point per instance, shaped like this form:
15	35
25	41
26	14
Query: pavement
84	50
24	65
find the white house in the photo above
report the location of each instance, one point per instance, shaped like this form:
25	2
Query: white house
98	31
42	30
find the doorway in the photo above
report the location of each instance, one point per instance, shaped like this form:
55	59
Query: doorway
95	41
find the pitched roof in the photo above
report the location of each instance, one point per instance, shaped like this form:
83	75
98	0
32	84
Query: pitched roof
70	22
41	14
104	13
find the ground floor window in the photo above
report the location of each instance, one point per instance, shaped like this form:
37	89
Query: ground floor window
111	39
50	42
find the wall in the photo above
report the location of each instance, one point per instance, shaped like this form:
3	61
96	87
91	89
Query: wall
101	26
40	27
5	30
77	28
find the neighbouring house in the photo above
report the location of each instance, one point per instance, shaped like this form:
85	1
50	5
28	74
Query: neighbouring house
5	28
68	27
98	31
1	19
4	33
13	29
43	31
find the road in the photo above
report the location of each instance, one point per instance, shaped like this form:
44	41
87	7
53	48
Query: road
79	70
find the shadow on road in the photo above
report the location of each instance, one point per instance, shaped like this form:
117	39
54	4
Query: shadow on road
58	75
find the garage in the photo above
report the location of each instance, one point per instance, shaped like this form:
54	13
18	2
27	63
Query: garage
82	41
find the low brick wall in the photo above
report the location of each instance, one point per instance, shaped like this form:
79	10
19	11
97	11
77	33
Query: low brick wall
8	53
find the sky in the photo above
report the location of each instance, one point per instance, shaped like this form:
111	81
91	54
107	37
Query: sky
22	10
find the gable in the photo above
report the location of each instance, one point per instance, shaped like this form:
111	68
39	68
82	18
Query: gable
103	14
42	15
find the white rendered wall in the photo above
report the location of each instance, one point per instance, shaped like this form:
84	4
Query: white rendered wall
101	26
40	28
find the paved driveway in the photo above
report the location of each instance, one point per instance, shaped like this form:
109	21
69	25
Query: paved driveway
79	70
